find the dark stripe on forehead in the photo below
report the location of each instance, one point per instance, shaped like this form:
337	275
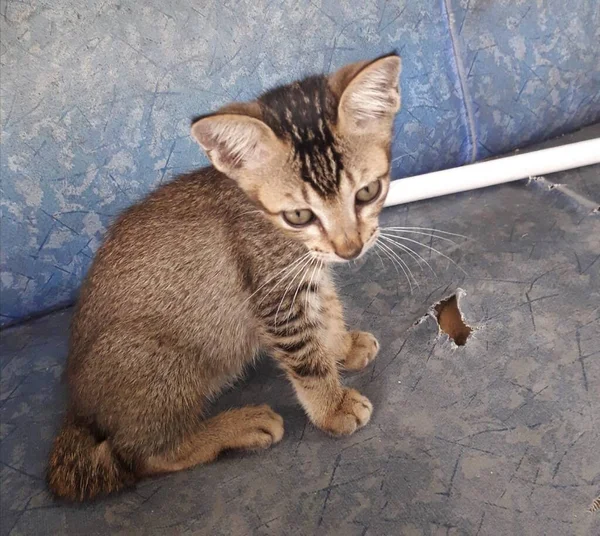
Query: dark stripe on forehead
303	112
305	194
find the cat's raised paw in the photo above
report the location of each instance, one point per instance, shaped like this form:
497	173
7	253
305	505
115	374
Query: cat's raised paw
363	350
260	428
353	412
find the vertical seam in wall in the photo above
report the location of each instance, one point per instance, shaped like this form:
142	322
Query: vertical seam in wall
460	72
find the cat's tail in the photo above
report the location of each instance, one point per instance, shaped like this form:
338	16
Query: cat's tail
81	468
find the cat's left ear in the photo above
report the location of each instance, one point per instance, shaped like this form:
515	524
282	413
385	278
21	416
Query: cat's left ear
369	95
235	142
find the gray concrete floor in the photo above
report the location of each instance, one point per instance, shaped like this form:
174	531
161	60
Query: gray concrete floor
497	437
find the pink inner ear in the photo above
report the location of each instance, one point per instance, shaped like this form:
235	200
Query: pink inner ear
203	134
373	94
227	140
233	141
226	156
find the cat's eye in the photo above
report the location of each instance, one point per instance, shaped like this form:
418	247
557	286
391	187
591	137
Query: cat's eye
298	218
369	192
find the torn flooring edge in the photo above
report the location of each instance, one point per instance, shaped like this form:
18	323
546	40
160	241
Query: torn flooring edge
579	201
449	318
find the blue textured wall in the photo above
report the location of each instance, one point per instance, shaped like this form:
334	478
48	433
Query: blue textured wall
97	98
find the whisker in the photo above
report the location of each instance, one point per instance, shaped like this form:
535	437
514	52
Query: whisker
289	266
427	229
420	256
297	272
379	256
411	252
408	250
316	269
433	249
405	264
287	271
401	263
308	290
394	233
298	288
378	244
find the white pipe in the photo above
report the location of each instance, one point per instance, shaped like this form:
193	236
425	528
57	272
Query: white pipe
497	171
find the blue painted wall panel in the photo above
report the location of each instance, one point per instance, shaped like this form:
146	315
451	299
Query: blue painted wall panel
97	96
531	68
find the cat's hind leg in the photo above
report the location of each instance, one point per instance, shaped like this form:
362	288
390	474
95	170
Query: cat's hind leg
249	427
146	393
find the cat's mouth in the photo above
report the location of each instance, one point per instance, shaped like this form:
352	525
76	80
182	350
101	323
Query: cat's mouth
332	257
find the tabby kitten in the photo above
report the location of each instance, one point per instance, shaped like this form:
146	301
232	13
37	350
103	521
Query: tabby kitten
192	282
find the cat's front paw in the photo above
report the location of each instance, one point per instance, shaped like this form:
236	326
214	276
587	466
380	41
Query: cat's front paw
353	412
363	349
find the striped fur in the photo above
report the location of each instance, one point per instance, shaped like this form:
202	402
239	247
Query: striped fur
194	281
304	113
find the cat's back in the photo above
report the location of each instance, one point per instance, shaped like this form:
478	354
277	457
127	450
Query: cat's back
180	219
199	203
166	254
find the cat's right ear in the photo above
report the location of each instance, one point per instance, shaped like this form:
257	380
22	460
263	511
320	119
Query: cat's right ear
235	142
369	95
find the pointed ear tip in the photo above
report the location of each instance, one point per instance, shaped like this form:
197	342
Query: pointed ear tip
194	128
198	129
394	60
203	125
195	120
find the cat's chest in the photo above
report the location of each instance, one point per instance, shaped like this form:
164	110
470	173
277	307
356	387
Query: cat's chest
296	300
320	290
320	295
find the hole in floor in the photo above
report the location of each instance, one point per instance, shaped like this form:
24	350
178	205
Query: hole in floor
450	320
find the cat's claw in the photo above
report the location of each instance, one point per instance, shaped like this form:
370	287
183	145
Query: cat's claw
363	350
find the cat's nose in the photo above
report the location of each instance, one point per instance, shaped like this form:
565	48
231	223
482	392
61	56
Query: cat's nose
349	251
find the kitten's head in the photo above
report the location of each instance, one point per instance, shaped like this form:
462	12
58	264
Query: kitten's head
314	155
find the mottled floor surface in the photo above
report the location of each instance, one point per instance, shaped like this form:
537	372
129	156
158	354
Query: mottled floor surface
497	437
